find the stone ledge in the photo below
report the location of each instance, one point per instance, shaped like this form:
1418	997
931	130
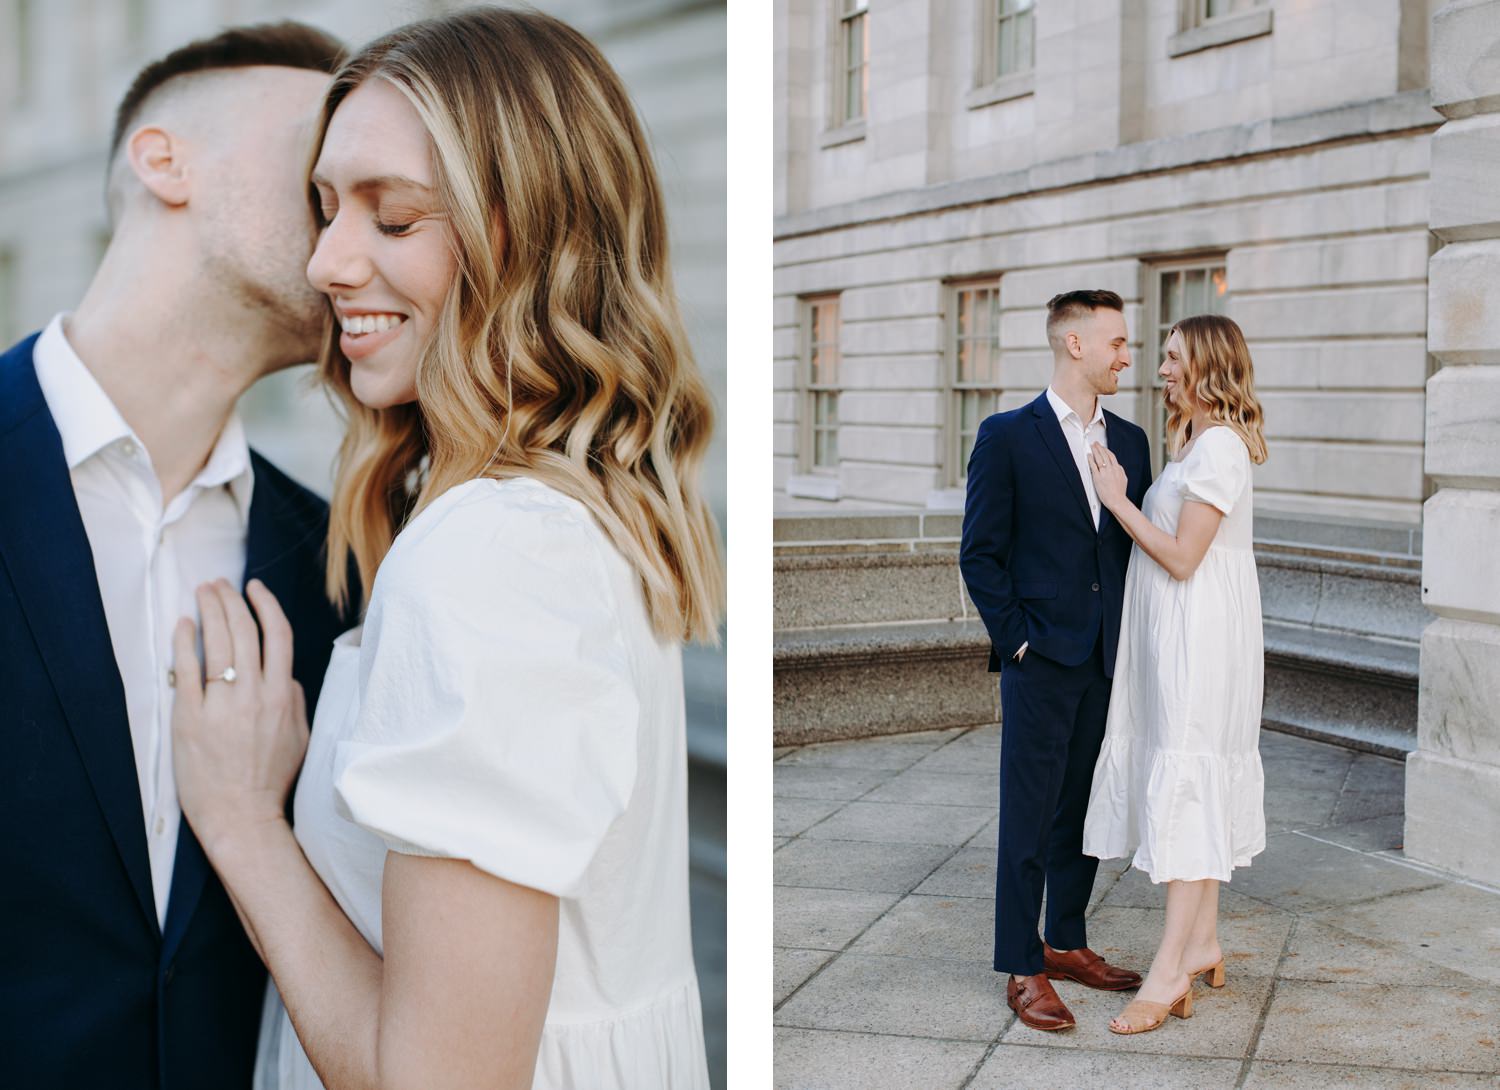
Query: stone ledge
1221	31
1409	110
1346	654
814	647
859	682
844	134
1004	89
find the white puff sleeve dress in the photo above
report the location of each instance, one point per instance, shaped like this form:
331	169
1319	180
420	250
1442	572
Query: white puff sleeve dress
507	702
1179	781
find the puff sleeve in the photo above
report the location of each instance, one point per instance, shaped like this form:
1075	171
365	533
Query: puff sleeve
1217	469
498	712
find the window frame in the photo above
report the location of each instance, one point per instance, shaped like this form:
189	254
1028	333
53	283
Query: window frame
1194	13
953	388
995	16
849	17
813	394
1151	408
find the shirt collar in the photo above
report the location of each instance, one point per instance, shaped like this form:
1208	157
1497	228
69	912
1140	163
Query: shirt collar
1064	410
88	421
85	417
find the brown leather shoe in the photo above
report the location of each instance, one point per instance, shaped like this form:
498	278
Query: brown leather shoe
1036	1003
1088	968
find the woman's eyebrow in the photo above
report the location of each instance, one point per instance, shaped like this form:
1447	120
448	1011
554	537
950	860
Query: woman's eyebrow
383	181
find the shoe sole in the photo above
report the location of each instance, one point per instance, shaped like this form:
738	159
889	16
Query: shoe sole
1096	987
1044	1029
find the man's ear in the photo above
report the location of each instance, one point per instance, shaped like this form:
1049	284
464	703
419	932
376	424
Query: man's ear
1075	345
159	160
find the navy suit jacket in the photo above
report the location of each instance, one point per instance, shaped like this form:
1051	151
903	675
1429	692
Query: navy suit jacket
93	993
1035	567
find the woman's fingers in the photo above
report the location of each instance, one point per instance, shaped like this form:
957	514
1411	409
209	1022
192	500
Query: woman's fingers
186	669
276	631
244	637
218	647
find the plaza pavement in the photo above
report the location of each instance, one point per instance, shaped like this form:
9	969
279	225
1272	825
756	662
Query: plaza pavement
1347	964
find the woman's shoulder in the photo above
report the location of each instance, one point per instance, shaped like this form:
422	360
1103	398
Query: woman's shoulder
1220	443
495	526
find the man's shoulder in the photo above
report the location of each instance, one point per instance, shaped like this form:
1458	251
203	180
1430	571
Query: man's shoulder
1001	422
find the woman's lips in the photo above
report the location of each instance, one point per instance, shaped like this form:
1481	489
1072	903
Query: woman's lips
357	347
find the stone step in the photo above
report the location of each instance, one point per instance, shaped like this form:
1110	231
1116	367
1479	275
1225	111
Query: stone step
1349	689
865	680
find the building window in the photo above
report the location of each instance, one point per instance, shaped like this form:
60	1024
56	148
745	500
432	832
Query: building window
853	61
820	406
1197	12
1179	290
1010	38
973	368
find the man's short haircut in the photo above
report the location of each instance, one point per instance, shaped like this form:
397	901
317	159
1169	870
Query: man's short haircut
1072	305
283	45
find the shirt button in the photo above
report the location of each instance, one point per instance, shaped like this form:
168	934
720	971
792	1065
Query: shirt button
161	826
1096	586
127	448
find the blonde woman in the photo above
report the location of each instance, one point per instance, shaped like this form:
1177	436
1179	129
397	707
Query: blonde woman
1179	781
487	886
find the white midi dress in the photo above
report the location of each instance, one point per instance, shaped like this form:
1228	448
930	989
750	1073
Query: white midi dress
507	702
1179	781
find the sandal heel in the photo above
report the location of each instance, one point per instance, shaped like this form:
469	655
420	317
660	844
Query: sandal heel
1214	974
1183	1008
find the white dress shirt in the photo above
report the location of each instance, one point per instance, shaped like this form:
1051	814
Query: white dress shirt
1080	437
149	559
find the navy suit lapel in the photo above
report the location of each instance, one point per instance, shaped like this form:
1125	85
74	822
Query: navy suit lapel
270	552
46	550
1057	444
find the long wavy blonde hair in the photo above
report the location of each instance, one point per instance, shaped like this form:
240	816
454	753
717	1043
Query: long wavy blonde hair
559	353
1219	374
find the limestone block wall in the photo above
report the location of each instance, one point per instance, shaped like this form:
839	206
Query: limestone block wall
1106	73
1453	779
1323	228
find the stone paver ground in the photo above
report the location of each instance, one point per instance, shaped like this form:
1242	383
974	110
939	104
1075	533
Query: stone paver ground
1348	964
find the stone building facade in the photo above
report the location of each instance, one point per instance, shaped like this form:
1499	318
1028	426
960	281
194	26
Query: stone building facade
944	168
65	64
1268	160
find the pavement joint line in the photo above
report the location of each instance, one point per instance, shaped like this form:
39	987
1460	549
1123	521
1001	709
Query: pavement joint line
1409	864
989	1051
885	1033
1265	1010
840	952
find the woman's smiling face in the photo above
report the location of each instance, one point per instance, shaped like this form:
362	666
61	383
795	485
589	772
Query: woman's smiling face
1174	371
385	251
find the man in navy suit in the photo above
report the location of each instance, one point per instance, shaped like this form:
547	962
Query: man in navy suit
128	481
1045	566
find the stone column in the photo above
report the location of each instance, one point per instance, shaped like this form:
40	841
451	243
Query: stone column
1453	778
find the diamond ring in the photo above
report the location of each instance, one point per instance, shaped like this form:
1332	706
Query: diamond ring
228	675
